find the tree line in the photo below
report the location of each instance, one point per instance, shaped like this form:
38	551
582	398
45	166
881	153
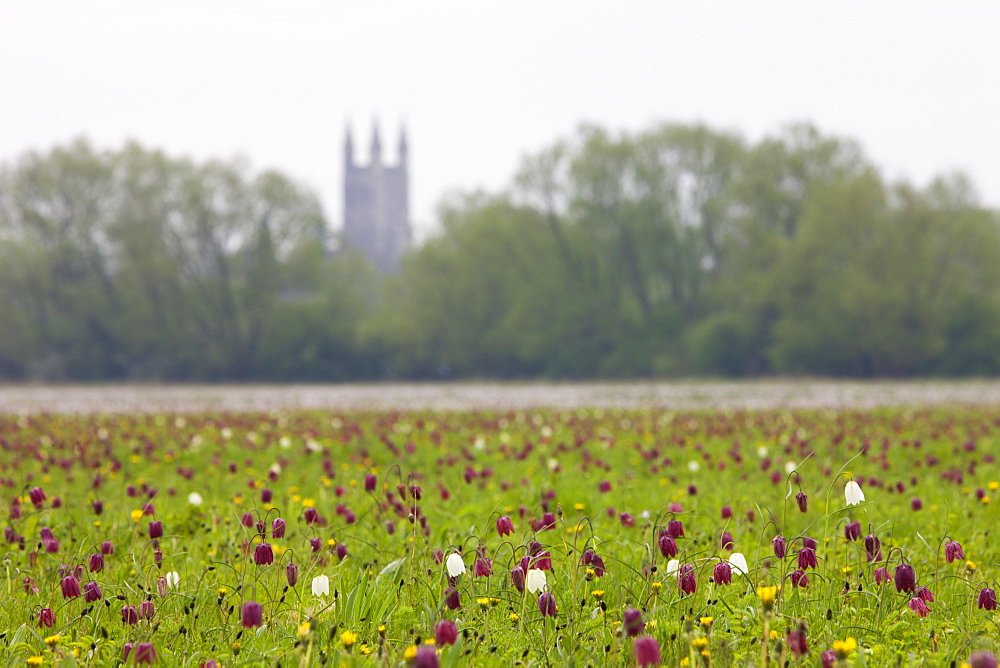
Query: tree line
675	250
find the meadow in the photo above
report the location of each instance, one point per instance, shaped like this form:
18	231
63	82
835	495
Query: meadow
601	536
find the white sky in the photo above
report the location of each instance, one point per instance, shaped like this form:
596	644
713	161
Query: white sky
480	83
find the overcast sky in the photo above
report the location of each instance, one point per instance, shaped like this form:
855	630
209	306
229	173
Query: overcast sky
479	84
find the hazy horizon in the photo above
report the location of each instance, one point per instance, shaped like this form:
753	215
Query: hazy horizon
478	85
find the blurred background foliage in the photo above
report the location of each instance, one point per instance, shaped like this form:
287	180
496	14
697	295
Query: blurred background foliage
678	250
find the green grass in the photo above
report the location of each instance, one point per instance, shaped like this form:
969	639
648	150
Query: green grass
388	591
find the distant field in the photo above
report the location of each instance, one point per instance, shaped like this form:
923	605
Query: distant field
767	394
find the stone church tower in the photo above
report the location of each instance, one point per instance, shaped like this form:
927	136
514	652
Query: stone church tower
376	203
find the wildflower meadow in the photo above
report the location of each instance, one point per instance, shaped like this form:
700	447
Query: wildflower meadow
536	537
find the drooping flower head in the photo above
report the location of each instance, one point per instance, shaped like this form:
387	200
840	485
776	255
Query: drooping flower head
987	599
905	578
547	604
252	615
780	546
952	551
919	606
445	633
454	564
647	651
633	623
722	573
853	494
739	563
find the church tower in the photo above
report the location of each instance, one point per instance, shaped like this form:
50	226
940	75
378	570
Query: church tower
376	203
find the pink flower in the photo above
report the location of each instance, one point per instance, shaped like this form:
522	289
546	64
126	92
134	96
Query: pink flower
807	558
918	606
46	618
799	579
278	528
722	573
668	546
70	587
803	501
547	604
987	599
779	546
92	592
953	551
263	554
905	578
633	622
445	633
252	615
504	526
647	651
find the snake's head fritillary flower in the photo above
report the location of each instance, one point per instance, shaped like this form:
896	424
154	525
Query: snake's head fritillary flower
454	565
952	551
321	585
905	578
647	651
451	598
370	482
278	528
263	554
916	503
155	529
807	558
130	615
828	658
505	526
987	599
803	501
445	633
797	641
37	496
426	657
147	610
47	618
535	580
686	580
918	606
780	546
873	547
145	653
92	592
633	622
252	615
517	578
799	578
96	564
675	529
852	531
70	587
853	494
739	563
722	573
547	604
483	567
668	546
983	659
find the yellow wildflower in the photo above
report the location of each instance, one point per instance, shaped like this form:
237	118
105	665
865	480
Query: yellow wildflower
348	638
304	629
52	641
700	643
411	653
136	515
767	596
706	621
35	660
843	648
